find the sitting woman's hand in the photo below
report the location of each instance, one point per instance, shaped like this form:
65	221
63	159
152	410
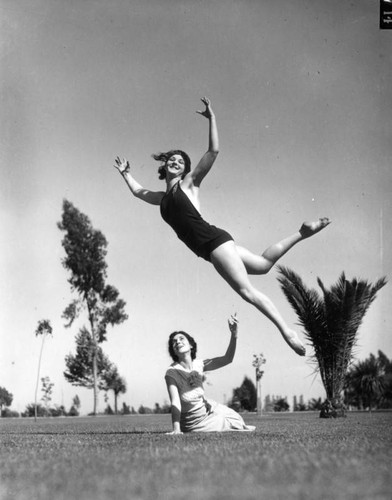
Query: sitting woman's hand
233	325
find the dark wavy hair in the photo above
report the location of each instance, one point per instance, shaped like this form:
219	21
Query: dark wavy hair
191	340
164	157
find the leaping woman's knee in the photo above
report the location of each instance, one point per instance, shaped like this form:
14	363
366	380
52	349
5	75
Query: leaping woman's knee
247	293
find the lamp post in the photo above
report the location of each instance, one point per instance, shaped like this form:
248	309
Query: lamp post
258	361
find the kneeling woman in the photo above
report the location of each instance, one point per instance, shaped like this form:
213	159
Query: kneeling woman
191	411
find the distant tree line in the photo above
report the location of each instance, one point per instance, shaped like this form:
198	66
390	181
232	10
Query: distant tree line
276	403
244	398
142	410
314	404
367	386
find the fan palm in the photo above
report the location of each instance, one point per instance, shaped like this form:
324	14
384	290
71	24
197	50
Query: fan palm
330	321
365	383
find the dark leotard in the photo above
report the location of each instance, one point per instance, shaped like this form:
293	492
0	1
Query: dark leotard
179	212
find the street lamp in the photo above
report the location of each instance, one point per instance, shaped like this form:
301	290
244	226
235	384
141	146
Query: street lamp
258	361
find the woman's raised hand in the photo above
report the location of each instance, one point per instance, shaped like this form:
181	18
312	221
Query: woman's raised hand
208	113
233	325
122	165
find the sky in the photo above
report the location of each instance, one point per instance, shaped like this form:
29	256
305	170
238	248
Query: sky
301	90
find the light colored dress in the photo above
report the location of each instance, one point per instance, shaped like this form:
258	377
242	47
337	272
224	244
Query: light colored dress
197	413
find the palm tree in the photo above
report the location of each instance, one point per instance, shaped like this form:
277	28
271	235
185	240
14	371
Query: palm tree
365	383
331	321
43	329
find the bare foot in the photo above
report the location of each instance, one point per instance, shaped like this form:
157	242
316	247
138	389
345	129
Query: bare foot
292	339
311	228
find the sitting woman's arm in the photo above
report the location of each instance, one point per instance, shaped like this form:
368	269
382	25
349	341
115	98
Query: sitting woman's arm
227	358
175	402
152	197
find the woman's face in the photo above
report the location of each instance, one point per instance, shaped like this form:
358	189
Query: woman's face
181	344
175	166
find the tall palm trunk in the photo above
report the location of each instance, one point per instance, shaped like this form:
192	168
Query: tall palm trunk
95	377
94	352
94	366
44	328
38	372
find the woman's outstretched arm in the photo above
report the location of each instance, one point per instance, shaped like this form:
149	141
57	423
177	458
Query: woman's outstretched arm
215	363
152	197
206	162
175	402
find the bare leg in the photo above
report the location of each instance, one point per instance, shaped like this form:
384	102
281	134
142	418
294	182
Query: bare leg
229	265
261	264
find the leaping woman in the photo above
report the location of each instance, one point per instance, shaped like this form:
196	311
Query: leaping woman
180	208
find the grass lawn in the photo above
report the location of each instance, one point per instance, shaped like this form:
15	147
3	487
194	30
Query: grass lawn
289	456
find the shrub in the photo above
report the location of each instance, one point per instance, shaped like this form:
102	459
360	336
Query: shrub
125	409
281	405
30	412
144	410
108	410
73	411
57	411
7	413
